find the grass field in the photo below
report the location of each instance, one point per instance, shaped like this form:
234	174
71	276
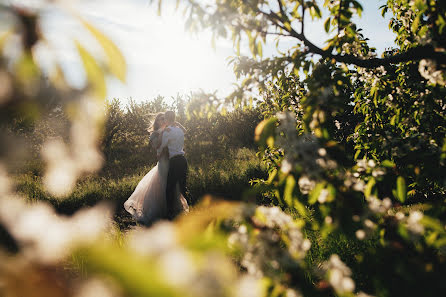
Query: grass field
225	178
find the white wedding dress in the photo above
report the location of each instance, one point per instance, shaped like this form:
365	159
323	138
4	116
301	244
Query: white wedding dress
148	202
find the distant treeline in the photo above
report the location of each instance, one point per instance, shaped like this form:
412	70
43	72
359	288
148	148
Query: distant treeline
207	138
125	139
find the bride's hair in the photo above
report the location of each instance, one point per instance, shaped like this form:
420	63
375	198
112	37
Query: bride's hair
156	122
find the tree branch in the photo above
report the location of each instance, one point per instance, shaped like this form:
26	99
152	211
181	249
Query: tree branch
413	54
339	16
282	11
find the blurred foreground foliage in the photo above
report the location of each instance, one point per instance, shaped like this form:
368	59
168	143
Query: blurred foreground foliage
354	145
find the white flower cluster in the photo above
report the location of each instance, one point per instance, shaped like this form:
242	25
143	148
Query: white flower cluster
65	163
355	48
306	185
375	207
47	237
412	222
428	70
368	166
211	272
98	287
338	275
262	251
371	76
379	206
406	18
352	180
301	151
297	149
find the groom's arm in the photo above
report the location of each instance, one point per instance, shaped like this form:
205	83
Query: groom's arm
164	141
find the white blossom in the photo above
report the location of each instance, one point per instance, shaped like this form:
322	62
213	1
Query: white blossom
262	252
428	70
323	196
66	163
47	237
160	238
413	222
96	287
379	206
305	184
339	275
360	234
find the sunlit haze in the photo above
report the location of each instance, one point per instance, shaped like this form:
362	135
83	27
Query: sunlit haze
162	58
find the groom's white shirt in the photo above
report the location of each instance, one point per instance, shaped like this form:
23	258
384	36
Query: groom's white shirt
173	138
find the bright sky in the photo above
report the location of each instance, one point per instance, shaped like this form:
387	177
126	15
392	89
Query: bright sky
162	58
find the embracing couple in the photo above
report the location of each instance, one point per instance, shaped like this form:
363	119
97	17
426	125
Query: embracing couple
161	192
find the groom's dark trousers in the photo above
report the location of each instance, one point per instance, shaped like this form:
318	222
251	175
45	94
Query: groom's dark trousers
177	174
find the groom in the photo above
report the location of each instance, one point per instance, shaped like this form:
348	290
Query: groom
173	139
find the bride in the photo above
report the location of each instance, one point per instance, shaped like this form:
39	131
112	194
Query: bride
148	202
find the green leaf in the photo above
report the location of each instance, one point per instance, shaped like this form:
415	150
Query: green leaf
129	269
327	25
26	69
314	195
369	187
388	164
358	152
289	188
441	23
271	177
115	60
264	132
415	24
420	5
423	30
401	189
259	49
392	120
94	72
433	224
315	12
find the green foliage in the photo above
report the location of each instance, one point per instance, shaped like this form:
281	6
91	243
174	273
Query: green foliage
354	146
358	135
